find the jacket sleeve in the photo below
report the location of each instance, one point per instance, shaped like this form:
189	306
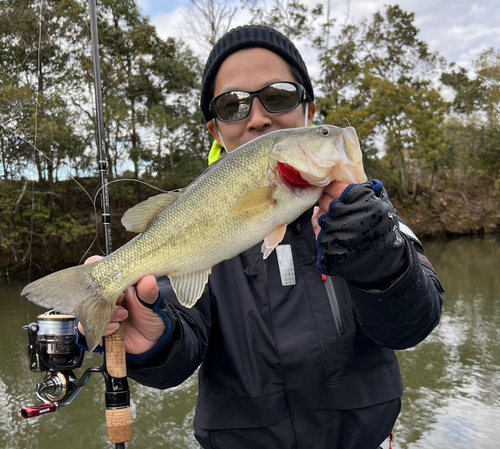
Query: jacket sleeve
405	313
175	358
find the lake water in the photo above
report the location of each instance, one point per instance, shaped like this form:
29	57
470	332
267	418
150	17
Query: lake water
452	379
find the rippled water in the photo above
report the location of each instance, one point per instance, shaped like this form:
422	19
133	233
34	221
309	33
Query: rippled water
452	379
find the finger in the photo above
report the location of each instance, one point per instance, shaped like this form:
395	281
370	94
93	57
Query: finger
119	314
120	298
332	192
335	189
147	289
110	329
314	220
93	259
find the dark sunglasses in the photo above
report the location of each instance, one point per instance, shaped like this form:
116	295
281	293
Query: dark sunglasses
276	97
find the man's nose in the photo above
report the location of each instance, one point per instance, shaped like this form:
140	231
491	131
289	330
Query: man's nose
259	118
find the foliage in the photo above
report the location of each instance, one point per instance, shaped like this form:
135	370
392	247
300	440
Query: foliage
290	17
36	76
377	75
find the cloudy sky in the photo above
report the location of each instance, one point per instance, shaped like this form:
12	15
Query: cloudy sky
459	30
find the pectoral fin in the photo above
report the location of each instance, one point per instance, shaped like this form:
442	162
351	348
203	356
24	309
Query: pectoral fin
188	289
137	218
272	240
255	199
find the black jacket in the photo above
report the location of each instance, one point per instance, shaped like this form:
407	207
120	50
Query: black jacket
287	367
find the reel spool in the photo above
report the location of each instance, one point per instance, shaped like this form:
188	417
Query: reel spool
52	343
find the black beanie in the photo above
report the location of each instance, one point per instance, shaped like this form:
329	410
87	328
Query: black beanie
250	36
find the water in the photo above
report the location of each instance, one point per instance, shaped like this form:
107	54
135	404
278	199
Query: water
452	379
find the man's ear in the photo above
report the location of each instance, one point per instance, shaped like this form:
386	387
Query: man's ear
310	113
212	129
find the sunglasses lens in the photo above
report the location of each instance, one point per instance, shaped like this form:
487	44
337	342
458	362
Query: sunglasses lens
233	105
280	97
277	97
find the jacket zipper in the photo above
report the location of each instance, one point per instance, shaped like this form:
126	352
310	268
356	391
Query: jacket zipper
334	305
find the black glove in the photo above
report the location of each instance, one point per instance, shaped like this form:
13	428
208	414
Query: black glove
360	239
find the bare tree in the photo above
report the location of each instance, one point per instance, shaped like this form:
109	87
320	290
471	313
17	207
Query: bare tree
208	20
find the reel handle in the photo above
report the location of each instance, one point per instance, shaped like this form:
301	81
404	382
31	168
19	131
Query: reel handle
37	410
118	414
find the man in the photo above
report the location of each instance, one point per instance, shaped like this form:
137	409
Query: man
303	362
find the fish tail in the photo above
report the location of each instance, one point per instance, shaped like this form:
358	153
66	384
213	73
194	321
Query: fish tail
73	291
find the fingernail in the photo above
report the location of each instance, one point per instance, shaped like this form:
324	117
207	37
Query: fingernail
121	314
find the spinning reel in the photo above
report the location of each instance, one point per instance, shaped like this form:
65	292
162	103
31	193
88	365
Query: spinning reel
52	348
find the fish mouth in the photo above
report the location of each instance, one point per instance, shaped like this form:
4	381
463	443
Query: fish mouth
291	176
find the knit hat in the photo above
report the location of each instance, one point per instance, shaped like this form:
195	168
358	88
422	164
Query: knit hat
250	36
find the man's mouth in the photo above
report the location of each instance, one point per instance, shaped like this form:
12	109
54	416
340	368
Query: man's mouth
290	175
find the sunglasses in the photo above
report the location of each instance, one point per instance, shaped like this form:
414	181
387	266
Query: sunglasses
276	97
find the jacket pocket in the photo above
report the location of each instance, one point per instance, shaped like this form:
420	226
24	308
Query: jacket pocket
279	435
366	390
216	410
226	421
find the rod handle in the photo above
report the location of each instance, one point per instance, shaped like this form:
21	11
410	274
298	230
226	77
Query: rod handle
118	419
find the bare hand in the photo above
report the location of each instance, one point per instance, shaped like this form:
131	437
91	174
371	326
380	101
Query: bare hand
332	192
143	327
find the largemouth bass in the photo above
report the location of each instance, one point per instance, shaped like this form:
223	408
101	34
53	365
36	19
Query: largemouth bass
248	196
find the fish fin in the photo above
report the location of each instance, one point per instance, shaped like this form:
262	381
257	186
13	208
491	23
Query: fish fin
273	239
254	199
73	292
188	289
137	217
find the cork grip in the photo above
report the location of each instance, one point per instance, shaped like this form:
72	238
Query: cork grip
119	421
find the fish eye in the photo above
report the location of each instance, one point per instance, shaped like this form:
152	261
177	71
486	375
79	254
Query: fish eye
325	132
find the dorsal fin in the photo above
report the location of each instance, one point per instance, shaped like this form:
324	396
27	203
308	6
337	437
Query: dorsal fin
137	218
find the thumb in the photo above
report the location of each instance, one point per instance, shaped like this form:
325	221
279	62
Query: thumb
147	289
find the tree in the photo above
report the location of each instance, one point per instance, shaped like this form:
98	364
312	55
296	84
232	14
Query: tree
291	17
142	77
378	76
475	127
37	41
207	21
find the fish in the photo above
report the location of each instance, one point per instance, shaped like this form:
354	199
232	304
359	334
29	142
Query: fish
250	195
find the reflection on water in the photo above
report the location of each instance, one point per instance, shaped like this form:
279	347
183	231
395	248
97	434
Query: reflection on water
452	380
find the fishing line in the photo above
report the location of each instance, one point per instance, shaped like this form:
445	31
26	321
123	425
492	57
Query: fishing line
37	101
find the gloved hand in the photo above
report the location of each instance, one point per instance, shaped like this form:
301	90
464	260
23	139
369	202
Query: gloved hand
360	239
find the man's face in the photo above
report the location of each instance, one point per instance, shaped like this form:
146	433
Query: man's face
250	69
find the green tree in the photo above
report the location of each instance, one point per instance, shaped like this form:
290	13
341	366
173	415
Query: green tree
291	17
378	76
38	41
140	72
475	125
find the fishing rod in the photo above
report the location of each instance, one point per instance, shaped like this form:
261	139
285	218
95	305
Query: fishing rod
118	412
52	339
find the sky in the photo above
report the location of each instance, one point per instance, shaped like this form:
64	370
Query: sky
459	30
